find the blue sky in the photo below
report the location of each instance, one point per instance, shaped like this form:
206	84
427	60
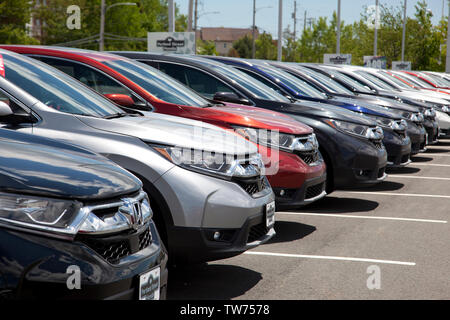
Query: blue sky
238	13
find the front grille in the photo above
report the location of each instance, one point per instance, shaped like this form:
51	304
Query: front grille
257	232
314	191
402	134
309	157
254	186
378	144
115	248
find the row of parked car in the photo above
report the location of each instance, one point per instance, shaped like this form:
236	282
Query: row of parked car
114	166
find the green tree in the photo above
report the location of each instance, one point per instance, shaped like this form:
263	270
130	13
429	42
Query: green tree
206	48
265	48
14	15
243	46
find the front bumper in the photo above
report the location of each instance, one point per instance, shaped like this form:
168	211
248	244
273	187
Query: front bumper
363	164
311	191
35	267
417	134
201	202
398	149
432	128
232	242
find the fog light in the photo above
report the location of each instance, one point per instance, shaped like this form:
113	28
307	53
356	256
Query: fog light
282	193
217	235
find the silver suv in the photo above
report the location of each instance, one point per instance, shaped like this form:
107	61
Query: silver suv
208	193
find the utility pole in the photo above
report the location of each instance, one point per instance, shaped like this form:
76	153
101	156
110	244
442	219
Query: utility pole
254	30
102	25
294	16
190	14
375	41
304	23
171	16
338	40
195	14
280	30
404	31
447	64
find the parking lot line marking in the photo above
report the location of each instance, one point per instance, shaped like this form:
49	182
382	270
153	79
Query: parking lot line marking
358	217
286	255
418	177
430	165
398	194
434	154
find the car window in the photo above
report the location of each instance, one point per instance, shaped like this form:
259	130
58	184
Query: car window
199	81
90	77
157	83
262	79
54	88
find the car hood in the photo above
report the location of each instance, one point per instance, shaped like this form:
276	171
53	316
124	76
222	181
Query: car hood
34	169
323	110
417	96
367	107
168	130
387	102
276	120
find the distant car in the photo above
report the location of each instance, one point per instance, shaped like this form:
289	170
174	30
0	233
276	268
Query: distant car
296	170
64	209
335	90
360	84
396	140
350	143
206	185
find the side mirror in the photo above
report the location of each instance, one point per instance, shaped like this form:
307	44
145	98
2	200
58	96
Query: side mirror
121	99
5	110
229	97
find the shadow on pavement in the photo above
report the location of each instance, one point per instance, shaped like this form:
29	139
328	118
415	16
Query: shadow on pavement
437	151
385	186
290	231
341	205
422	159
405	170
210	282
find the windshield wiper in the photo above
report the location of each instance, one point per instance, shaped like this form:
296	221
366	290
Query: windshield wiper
116	115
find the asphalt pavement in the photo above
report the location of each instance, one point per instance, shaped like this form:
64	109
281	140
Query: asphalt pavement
390	241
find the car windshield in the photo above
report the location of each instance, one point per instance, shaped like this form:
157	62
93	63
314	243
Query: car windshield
54	88
300	86
377	82
390	78
343	77
157	83
258	89
414	80
329	83
439	81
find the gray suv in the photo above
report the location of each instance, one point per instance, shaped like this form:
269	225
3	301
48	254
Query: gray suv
209	195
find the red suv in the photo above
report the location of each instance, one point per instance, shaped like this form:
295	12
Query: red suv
297	172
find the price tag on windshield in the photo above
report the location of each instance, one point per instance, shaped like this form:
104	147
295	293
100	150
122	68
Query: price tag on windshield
2	67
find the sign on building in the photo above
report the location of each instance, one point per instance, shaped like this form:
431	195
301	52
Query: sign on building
378	62
175	42
337	58
401	65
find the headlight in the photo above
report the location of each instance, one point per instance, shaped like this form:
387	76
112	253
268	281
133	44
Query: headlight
446	109
65	219
357	129
382	121
278	140
219	165
430	113
38	213
414	117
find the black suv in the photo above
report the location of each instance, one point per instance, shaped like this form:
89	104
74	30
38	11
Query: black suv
73	225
